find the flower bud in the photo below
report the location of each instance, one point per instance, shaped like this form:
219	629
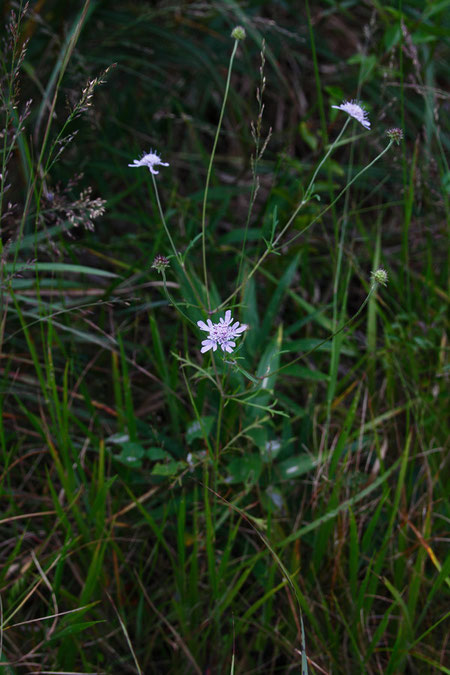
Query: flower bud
160	263
238	33
395	134
379	277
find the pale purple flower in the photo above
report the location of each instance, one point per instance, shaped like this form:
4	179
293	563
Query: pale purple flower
151	159
222	333
355	110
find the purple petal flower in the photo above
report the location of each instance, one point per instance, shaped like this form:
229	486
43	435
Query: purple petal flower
221	334
207	345
355	110
150	160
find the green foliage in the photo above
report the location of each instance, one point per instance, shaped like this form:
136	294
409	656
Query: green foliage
279	507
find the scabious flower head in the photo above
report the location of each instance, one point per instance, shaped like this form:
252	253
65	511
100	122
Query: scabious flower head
160	263
355	110
238	33
379	277
222	333
150	160
395	134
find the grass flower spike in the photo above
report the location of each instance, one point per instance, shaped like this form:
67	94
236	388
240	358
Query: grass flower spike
222	333
150	160
355	110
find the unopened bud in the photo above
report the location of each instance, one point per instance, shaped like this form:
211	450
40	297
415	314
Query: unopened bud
379	277
395	134
160	263
238	33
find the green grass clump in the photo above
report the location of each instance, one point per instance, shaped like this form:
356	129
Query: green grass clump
280	507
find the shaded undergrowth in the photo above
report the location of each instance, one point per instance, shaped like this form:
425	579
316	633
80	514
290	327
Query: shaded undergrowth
163	511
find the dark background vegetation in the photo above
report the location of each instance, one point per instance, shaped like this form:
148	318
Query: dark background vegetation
166	577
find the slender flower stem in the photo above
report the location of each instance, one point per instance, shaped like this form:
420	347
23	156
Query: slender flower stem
373	288
288	224
208	175
249	213
173	302
218	383
333	335
177	255
330	150
342	192
163	220
219	428
259	151
335	352
310	186
304	201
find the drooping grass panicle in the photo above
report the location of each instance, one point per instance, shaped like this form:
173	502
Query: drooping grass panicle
260	147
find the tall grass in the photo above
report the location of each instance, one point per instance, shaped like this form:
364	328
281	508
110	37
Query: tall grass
279	508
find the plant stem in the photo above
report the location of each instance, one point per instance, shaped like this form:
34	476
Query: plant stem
314	220
310	351
208	175
175	252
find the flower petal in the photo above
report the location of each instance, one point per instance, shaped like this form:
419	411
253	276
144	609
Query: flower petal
207	345
150	160
355	110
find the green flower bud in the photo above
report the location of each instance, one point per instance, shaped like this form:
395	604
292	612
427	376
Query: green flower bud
379	277
238	33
